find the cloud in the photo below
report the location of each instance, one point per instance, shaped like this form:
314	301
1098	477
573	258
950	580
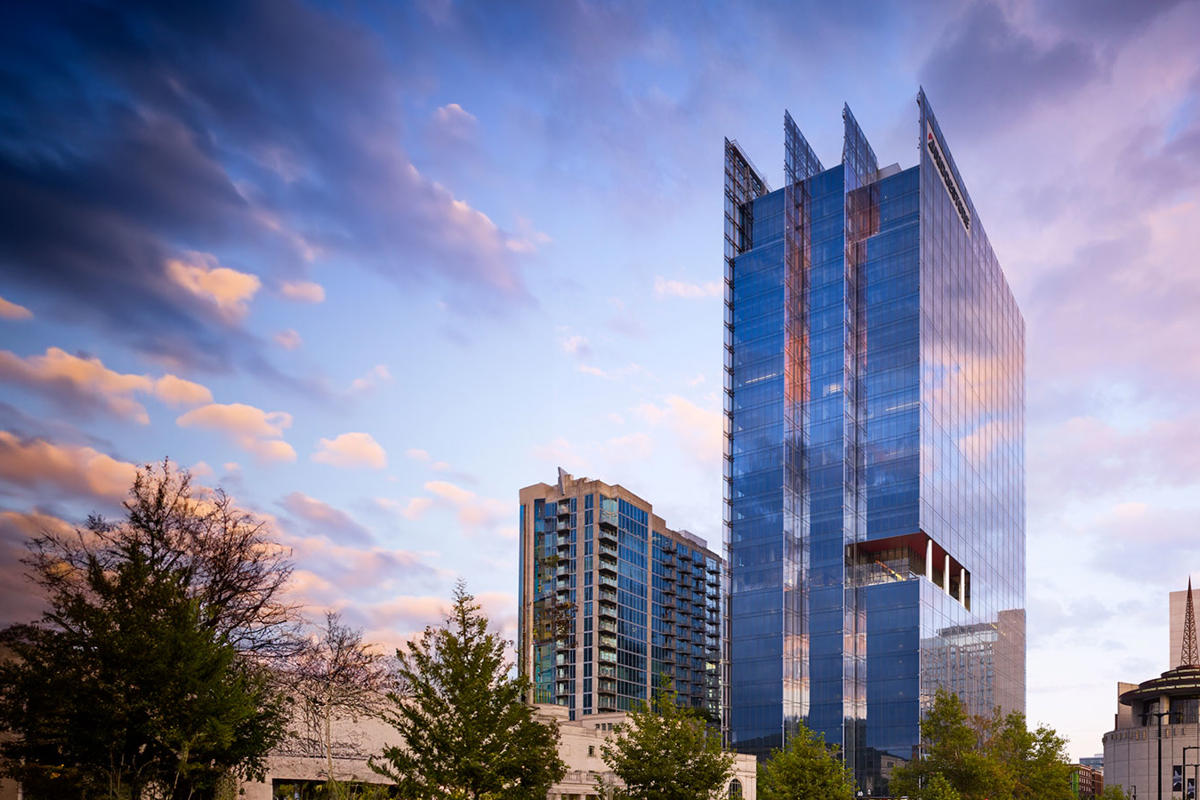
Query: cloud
303	291
984	54
453	121
81	382
254	430
697	429
351	450
576	346
322	519
227	289
288	339
415	508
291	150
20	599
378	374
689	291
12	311
69	471
474	513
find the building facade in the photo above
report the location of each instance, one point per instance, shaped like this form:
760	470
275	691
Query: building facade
874	470
612	601
1153	750
296	770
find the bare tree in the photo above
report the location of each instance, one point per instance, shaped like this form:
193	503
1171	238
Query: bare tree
225	558
338	676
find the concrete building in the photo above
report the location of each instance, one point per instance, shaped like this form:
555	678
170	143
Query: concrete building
296	764
612	600
1153	751
875	450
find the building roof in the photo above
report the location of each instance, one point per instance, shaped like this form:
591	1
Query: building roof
1183	681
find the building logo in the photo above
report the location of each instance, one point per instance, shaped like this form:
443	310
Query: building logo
943	168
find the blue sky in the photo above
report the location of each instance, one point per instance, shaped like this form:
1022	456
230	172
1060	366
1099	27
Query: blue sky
400	260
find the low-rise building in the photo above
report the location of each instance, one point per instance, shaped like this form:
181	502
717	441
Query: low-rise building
297	766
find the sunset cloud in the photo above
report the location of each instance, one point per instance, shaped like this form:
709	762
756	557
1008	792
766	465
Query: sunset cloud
12	311
65	469
303	291
85	381
254	430
351	450
697	429
227	289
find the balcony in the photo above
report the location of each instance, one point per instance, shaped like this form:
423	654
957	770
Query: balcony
606	686
608	641
607	565
608	595
607	626
606	671
608	519
564	524
607	549
608	581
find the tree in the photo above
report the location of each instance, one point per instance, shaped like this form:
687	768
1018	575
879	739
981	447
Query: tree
994	757
338	676
132	684
1113	792
465	734
665	752
805	770
222	556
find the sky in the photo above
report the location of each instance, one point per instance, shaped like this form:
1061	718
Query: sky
373	267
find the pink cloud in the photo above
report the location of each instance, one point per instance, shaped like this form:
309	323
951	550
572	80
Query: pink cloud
227	290
68	470
13	311
303	291
350	450
73	379
288	339
254	430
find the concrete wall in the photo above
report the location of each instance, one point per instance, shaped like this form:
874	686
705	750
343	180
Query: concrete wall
1131	758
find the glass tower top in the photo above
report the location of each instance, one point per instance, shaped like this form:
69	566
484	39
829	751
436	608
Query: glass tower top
874	471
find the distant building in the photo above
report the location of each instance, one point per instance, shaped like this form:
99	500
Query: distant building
1153	750
1096	761
1087	782
612	599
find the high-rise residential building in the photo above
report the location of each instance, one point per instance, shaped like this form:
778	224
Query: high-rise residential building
874	471
612	601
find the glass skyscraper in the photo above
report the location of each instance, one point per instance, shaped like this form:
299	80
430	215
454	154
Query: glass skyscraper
612	601
874	470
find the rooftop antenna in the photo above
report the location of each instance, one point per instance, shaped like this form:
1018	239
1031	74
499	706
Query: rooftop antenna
1188	657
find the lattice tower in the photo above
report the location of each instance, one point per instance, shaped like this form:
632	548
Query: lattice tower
1188	657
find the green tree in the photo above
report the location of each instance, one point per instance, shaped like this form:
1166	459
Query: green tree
1035	761
994	757
465	734
954	748
1113	792
937	788
665	752
805	770
130	685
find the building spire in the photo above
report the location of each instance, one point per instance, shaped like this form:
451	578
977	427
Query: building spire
1188	657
